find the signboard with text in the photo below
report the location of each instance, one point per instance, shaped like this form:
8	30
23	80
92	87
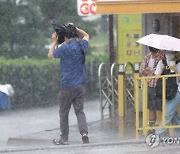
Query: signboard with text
129	31
86	7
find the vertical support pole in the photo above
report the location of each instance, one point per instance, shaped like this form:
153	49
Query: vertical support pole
145	111
136	97
111	40
113	90
100	90
163	100
121	102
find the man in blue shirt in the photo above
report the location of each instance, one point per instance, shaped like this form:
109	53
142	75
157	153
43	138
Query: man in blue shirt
73	78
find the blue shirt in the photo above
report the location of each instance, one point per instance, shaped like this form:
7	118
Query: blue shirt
72	69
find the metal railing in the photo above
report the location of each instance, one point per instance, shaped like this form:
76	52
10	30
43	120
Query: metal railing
129	86
114	86
142	125
108	89
109	99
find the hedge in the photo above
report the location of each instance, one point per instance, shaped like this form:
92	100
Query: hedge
36	82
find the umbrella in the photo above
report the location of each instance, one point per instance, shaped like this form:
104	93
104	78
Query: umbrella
162	42
60	30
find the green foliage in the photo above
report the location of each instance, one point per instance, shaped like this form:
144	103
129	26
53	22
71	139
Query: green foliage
97	58
25	31
36	82
92	64
99	43
26	27
20	32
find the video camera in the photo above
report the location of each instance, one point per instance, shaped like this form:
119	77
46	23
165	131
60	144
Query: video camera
63	30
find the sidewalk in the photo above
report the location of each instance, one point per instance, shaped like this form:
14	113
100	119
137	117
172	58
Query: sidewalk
15	123
105	131
101	132
105	137
39	127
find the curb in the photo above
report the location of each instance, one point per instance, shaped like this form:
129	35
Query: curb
73	146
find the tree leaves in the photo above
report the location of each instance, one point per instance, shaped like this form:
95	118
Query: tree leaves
26	28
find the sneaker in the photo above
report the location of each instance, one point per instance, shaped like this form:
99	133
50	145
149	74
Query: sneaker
85	139
60	142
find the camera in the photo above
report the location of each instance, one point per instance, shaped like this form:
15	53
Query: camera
63	30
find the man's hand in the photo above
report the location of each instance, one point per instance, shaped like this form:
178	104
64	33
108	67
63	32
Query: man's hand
70	23
53	45
148	71
54	38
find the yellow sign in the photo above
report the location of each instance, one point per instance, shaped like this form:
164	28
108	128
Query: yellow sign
137	6
129	31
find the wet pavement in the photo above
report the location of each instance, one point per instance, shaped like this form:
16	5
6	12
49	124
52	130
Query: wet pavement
114	148
18	123
37	127
32	131
106	131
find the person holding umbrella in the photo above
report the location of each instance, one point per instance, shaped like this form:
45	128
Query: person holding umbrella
161	42
147	68
171	114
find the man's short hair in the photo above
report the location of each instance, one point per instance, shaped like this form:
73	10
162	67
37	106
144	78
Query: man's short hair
152	49
71	31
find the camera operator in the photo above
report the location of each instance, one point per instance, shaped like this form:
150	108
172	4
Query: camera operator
73	79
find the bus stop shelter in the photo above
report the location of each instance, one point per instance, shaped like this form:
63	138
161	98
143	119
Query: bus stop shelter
137	6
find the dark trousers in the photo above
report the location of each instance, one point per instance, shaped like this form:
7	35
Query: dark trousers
74	96
154	103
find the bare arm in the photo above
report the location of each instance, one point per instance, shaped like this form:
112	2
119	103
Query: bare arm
83	34
53	45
